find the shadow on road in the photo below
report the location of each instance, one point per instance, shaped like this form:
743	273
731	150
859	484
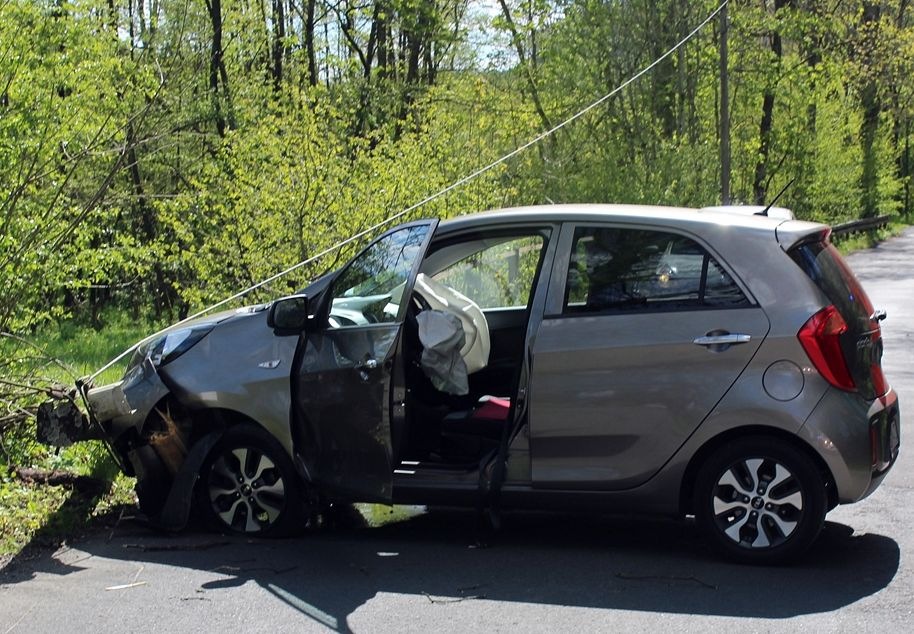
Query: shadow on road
563	560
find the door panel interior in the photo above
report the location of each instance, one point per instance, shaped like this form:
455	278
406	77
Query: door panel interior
349	369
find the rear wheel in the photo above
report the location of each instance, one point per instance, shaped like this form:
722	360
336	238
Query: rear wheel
249	486
760	500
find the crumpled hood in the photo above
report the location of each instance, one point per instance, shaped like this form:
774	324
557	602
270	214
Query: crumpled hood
209	320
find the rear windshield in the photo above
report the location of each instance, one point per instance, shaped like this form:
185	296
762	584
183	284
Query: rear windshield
825	266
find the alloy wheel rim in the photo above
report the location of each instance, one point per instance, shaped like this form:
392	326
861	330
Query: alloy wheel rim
757	503
246	490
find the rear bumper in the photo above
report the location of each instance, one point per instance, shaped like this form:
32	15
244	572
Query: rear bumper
857	439
885	439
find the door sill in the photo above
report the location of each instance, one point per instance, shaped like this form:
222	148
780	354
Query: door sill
428	467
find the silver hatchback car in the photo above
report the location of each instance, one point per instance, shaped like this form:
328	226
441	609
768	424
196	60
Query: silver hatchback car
593	357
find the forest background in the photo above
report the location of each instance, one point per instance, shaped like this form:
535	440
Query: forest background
159	155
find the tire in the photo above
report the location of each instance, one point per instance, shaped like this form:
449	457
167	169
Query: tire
248	486
760	500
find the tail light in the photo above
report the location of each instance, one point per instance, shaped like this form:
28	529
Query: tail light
821	339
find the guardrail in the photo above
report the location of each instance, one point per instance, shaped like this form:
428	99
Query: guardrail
857	226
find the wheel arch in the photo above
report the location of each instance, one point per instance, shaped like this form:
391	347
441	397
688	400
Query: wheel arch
200	429
687	486
201	421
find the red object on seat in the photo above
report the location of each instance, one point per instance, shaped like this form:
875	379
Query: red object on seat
492	408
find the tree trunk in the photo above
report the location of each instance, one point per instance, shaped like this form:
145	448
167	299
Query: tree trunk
872	107
760	182
902	125
532	89
279	45
148	221
217	72
724	105
382	24
309	43
663	79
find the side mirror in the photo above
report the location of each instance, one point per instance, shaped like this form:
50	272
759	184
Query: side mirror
288	315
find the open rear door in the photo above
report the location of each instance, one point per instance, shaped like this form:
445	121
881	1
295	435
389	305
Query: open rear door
344	378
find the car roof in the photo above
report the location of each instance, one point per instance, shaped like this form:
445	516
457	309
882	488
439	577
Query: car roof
680	217
754	210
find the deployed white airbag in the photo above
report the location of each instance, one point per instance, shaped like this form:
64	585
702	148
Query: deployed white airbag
442	338
475	347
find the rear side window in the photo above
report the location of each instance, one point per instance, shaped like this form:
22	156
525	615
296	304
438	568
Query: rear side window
828	270
614	269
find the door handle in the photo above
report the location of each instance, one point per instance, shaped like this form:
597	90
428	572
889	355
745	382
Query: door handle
367	364
721	340
365	368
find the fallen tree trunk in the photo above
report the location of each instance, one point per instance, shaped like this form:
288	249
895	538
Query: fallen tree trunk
58	477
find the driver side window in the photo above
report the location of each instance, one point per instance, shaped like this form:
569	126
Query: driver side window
370	289
499	274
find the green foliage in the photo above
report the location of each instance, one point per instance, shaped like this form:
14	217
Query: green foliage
24	509
68	349
146	173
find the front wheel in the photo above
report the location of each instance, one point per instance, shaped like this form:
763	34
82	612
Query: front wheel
760	500
249	486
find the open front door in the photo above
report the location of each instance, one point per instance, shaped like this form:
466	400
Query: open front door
344	377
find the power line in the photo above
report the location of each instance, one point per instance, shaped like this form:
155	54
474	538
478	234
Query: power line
458	183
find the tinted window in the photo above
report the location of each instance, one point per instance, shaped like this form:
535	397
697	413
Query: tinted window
825	266
631	269
499	275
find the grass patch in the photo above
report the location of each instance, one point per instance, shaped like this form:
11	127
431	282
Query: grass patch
382	514
24	509
84	349
869	239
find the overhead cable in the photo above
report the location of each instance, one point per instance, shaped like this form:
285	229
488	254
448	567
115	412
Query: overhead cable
463	181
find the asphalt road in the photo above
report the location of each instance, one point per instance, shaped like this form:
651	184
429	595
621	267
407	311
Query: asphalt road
543	574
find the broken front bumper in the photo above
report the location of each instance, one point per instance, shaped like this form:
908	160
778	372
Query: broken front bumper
126	404
154	452
112	411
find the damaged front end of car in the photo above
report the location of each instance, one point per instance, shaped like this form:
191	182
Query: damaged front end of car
148	431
